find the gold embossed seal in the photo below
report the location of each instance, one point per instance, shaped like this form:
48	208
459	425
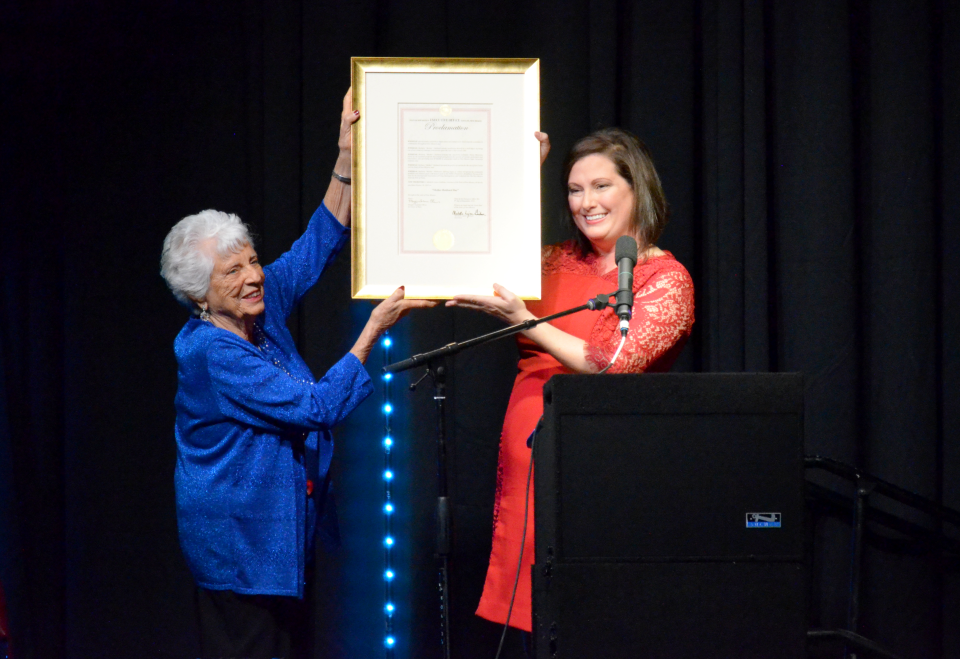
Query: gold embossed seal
443	240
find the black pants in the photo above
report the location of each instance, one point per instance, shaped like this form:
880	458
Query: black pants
236	626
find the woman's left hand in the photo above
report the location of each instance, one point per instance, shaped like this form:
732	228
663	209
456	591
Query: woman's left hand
503	305
395	307
383	317
565	348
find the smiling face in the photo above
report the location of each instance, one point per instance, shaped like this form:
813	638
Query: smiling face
601	201
236	287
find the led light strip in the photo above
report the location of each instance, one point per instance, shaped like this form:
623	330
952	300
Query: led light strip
389	608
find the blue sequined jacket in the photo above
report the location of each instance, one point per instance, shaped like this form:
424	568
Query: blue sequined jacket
250	433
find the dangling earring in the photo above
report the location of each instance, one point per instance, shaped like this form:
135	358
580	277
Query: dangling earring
203	314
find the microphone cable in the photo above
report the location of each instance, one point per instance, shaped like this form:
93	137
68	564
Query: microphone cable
623	339
523	539
526	508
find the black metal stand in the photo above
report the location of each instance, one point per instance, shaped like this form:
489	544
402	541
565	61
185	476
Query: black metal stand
437	372
868	485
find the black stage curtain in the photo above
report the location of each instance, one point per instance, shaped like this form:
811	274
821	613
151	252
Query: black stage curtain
809	151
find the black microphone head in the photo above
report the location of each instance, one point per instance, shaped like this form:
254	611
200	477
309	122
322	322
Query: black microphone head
626	248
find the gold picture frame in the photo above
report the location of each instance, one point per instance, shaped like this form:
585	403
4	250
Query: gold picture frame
446	177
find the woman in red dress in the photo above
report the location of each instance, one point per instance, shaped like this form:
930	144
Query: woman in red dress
613	190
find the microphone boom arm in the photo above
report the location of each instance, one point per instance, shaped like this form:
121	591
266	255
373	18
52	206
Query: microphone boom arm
596	304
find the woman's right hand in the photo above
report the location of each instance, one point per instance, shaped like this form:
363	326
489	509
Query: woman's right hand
383	317
544	140
348	117
338	197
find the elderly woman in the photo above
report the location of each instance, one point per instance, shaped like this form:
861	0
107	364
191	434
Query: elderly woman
253	425
612	190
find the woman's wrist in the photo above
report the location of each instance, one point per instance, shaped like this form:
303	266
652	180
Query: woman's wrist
361	350
365	342
337	198
344	164
521	316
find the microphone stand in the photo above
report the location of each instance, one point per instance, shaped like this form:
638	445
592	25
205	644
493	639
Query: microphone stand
437	372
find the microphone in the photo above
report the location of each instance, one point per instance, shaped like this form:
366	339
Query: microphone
626	255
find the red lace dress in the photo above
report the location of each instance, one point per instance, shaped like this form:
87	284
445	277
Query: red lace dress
662	319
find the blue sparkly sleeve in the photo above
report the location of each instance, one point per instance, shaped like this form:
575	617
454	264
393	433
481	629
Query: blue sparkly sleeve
292	275
254	392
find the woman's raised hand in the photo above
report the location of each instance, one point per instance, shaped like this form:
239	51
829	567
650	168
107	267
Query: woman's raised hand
338	197
348	117
544	140
502	304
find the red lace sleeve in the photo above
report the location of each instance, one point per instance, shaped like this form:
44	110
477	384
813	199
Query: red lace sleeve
662	317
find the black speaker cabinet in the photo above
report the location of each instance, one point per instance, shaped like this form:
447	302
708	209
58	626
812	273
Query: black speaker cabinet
669	515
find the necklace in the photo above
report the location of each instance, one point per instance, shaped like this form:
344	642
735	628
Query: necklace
263	345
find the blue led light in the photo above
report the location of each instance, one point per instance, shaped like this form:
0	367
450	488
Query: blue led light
389	640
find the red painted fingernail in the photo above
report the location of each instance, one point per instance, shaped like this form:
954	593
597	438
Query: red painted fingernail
356	113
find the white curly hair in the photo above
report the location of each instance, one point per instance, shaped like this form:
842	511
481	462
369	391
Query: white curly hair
185	265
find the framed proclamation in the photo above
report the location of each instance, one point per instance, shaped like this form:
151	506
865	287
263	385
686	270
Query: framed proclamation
446	177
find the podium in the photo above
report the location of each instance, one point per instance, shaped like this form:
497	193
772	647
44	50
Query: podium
669	517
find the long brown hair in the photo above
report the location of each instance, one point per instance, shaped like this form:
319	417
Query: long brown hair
635	164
